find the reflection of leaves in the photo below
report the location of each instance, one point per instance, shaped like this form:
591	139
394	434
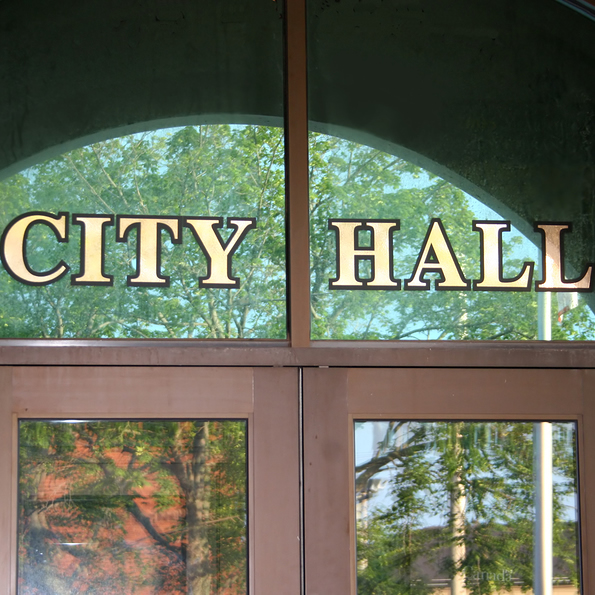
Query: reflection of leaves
123	492
205	171
430	463
238	171
354	181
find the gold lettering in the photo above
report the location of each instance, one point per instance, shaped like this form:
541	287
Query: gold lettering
349	254
553	261
217	252
92	250
437	256
492	277
148	246
14	247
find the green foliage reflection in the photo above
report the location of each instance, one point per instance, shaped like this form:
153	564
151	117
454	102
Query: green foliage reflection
133	507
216	171
238	171
438	500
349	180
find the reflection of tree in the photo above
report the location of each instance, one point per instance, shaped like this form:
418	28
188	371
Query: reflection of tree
238	171
208	171
478	478
143	507
355	181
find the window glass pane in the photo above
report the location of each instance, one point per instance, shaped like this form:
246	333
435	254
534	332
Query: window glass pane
132	507
174	233
464	505
385	282
414	106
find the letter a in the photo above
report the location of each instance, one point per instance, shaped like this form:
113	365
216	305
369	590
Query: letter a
437	256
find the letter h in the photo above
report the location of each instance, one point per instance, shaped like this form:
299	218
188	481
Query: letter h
349	253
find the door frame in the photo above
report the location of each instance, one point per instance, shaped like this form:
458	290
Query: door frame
276	365
334	398
265	397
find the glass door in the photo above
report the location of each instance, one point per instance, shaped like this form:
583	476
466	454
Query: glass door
151	480
415	479
447	480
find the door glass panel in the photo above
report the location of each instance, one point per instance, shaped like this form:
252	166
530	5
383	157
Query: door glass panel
448	506
146	506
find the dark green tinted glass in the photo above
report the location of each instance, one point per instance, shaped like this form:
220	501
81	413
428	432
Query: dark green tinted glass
493	99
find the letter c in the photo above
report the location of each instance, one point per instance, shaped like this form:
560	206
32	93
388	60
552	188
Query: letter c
14	241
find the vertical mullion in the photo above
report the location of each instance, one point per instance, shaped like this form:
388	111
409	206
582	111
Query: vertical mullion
302	481
585	448
296	167
8	481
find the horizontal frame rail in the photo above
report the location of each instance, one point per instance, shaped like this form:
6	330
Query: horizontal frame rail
40	352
